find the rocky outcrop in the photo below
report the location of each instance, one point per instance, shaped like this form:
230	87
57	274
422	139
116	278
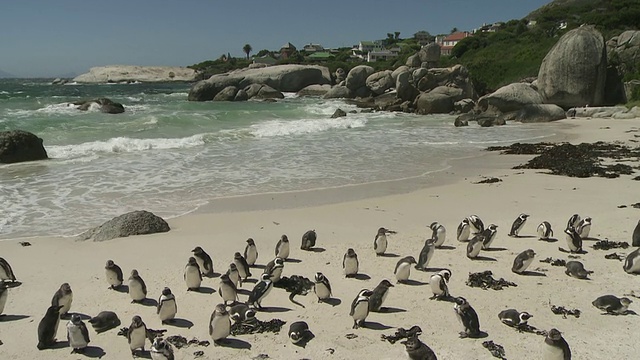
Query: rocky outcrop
341	75
573	73
430	54
413	61
404	88
338	113
357	77
339	92
380	82
634	113
284	78
457	76
105	105
132	223
439	100
267	92
463	106
18	146
509	98
130	73
401	69
598	112
632	89
624	51
226	94
531	113
59	81
315	90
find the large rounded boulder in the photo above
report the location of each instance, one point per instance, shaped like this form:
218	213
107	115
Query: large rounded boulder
105	105
357	77
540	113
380	82
509	98
133	223
18	146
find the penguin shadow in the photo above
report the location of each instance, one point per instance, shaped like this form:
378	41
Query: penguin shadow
251	281
480	335
533	273
292	260
495	249
411	282
317	249
274	309
258	266
144	354
7	318
445	247
95	352
522	236
591	239
59	345
205	290
359	276
549	240
180	323
389	255
244	292
628	312
483	258
448	298
372	325
121	289
212	275
332	301
234	344
390	310
581	252
147	302
431	269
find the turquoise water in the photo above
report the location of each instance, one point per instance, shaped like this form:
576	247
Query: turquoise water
170	156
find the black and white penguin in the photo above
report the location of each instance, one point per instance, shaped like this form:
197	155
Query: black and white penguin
360	308
322	287
308	240
635	237
167	306
379	295
439	233
242	265
219	324
192	275
474	246
522	261
518	224
544	231
612	304
241	312
204	261
161	349
251	252
350	264
227	289
584	227
77	334
556	347
48	327
260	291
380	242
426	254
574	241
464	230
234	274
137	287
114	275
417	350
403	268
576	269
632	262
137	335
468	317
64	298
477	226
489	235
282	247
438	283
573	221
299	332
4	292
514	318
6	272
104	321
274	268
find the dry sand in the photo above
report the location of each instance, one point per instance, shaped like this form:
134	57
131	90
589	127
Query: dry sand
446	197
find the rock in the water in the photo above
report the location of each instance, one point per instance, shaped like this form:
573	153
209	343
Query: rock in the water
460	121
357	77
339	92
133	223
380	82
315	90
59	81
338	113
105	105
540	113
267	92
439	100
226	94
509	98
635	240
18	146
464	105
129	73
241	95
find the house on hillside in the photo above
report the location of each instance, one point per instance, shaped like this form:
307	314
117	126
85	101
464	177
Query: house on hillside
286	50
321	56
311	48
448	42
386	54
364	47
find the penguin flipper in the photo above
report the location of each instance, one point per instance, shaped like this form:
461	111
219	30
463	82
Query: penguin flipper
85	332
278	247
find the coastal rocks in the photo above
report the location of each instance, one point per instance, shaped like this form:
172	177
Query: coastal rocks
380	82
463	106
457	76
540	113
398	71
598	112
439	100
226	94
18	146
339	92
105	105
130	73
573	73
338	113
267	92
315	90
624	51
460	121
430	54
357	77
413	61
133	223
340	74
59	81
510	98
404	88
631	114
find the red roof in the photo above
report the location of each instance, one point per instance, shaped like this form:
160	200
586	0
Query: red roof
457	36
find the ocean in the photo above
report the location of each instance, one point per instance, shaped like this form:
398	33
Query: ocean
171	156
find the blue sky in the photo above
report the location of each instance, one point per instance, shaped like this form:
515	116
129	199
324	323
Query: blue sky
41	38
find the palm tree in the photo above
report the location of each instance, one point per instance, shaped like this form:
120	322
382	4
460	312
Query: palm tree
247	49
454	30
397	35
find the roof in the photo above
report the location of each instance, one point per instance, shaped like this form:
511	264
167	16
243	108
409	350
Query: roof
288	46
321	55
457	36
367	43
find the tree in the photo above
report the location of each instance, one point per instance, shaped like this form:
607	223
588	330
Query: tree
247	50
397	35
454	30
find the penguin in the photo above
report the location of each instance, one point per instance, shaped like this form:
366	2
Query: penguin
204	261
522	261
612	305
192	275
576	269
518	224
417	350
574	241
635	238
426	254
63	297
282	247
514	318
6	273
378	296
251	252
468	317
573	221
274	268
403	268
380	242
161	349
556	346
260	291
464	230
632	262
489	235
584	227
77	334
299	332
477	226
438	283
544	231
114	275
240	313
136	335
350	263
4	293
104	321
309	240
167	306
219	324
137	287
227	290
48	327
360	308
474	246
234	275
242	265
322	287
439	233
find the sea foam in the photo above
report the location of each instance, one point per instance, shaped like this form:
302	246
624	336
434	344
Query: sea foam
304	126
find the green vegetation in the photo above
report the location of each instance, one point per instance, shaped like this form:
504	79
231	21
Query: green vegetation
247	50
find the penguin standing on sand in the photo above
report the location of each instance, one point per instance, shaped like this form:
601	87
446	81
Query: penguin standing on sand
426	254
403	268
379	295
114	275
380	242
417	350
474	246
219	324
167	307
584	227
464	230
251	252
137	335
574	241
576	269
613	305
489	235
322	287
573	221
260	291
161	349
522	261
192	275
63	297
77	334
227	290
439	233
299	332
514	318
309	240
477	226
242	265
274	268
6	273
544	231
635	238
137	287
48	327
204	261
350	263
518	224
438	283
632	262
282	247
234	275
360	308
556	347
468	317
4	293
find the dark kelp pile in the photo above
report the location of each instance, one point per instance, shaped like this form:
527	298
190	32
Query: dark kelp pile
561	310
583	160
402	333
614	256
257	327
485	281
554	262
608	245
496	350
